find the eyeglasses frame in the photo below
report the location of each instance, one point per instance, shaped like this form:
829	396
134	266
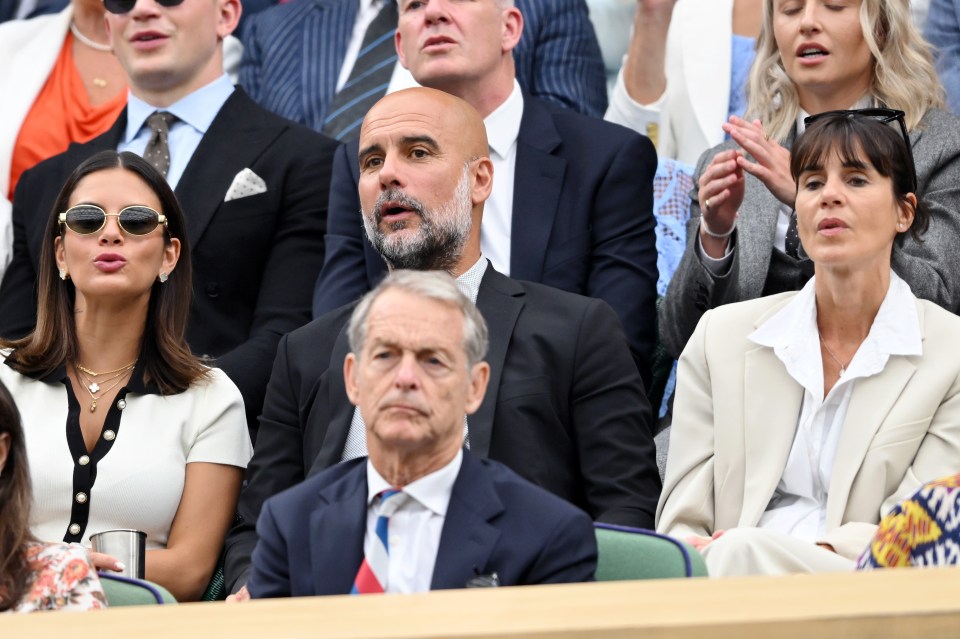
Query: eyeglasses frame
161	219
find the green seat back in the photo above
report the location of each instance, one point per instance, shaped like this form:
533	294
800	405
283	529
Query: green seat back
631	553
123	591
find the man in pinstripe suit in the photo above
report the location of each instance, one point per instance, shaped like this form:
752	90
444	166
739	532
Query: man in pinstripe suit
572	202
294	54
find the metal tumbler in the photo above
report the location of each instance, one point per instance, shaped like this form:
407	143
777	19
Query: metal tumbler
128	546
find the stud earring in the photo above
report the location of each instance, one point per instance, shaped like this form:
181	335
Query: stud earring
163	277
63	274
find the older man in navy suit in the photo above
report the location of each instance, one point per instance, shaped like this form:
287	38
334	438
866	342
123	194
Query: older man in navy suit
420	513
572	205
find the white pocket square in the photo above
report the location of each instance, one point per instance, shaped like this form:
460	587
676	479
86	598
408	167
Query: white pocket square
245	184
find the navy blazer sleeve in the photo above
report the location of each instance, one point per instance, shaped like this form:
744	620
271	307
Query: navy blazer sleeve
270	576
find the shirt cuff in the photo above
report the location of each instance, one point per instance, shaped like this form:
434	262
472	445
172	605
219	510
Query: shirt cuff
717	266
627	112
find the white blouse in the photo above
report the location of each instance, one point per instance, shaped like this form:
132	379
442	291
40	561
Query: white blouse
134	476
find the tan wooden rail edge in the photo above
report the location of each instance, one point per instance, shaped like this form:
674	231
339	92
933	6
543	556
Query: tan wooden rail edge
892	603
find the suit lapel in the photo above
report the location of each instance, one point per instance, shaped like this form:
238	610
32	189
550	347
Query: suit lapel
500	301
324	39
770	423
236	137
340	410
468	538
872	400
538	180
337	528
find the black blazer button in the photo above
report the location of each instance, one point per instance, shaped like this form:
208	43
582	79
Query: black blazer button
213	290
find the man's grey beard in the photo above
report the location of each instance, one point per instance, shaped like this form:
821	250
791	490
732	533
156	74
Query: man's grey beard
437	244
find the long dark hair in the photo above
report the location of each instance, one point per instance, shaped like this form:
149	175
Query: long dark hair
167	360
15	572
854	139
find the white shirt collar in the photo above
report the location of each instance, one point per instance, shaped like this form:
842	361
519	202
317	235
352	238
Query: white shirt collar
196	109
469	280
793	335
432	491
503	125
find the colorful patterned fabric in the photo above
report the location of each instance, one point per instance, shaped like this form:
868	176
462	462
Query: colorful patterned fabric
924	530
375	569
65	580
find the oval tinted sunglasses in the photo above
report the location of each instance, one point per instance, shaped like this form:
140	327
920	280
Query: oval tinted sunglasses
85	219
125	6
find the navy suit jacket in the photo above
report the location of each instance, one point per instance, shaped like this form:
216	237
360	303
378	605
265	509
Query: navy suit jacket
311	536
255	259
293	53
582	220
564	408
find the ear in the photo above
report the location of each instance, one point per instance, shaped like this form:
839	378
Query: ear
512	29
398	43
479	378
59	252
230	11
908	210
171	255
482	181
4	449
350	365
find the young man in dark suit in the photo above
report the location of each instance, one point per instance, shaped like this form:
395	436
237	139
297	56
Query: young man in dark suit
420	512
253	187
572	206
565	406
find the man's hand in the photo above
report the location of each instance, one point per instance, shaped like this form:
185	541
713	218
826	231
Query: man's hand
241	595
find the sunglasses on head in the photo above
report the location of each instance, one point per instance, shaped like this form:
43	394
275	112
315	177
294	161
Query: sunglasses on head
125	6
85	219
880	115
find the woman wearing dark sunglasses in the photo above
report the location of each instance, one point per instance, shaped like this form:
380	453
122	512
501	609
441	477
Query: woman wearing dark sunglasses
125	427
815	56
802	418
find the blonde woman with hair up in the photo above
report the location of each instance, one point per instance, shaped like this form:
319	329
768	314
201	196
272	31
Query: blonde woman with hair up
815	56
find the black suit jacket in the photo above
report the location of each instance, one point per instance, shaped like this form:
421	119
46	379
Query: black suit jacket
311	536
564	408
582	220
255	259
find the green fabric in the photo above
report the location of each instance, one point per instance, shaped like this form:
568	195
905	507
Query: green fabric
642	555
216	590
121	593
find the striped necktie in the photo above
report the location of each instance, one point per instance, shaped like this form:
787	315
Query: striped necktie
373	573
368	79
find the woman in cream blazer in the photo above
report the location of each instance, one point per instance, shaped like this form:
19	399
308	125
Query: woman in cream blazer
878	412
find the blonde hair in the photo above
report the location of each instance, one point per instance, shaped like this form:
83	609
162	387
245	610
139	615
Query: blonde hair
903	73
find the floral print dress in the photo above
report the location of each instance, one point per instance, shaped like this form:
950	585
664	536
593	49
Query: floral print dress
64	580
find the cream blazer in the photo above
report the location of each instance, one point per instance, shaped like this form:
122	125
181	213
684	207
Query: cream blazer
686	121
736	413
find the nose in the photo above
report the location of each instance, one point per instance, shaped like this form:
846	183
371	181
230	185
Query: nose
145	9
809	17
407	377
831	194
111	234
436	11
389	173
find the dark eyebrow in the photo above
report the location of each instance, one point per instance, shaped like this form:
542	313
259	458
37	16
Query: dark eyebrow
373	148
426	140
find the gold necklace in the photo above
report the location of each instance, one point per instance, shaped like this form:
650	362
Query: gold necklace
93	387
89	372
843	367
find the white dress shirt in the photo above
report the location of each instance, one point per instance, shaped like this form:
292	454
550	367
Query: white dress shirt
366	13
195	113
799	504
356	444
415	528
503	127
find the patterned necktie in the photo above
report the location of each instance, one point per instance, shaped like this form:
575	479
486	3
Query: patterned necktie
368	79
157	152
373	573
791	244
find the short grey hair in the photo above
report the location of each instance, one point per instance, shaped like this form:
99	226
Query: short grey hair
432	285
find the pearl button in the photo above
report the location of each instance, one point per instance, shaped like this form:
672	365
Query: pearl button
81	498
109	435
74	529
121	404
84	460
